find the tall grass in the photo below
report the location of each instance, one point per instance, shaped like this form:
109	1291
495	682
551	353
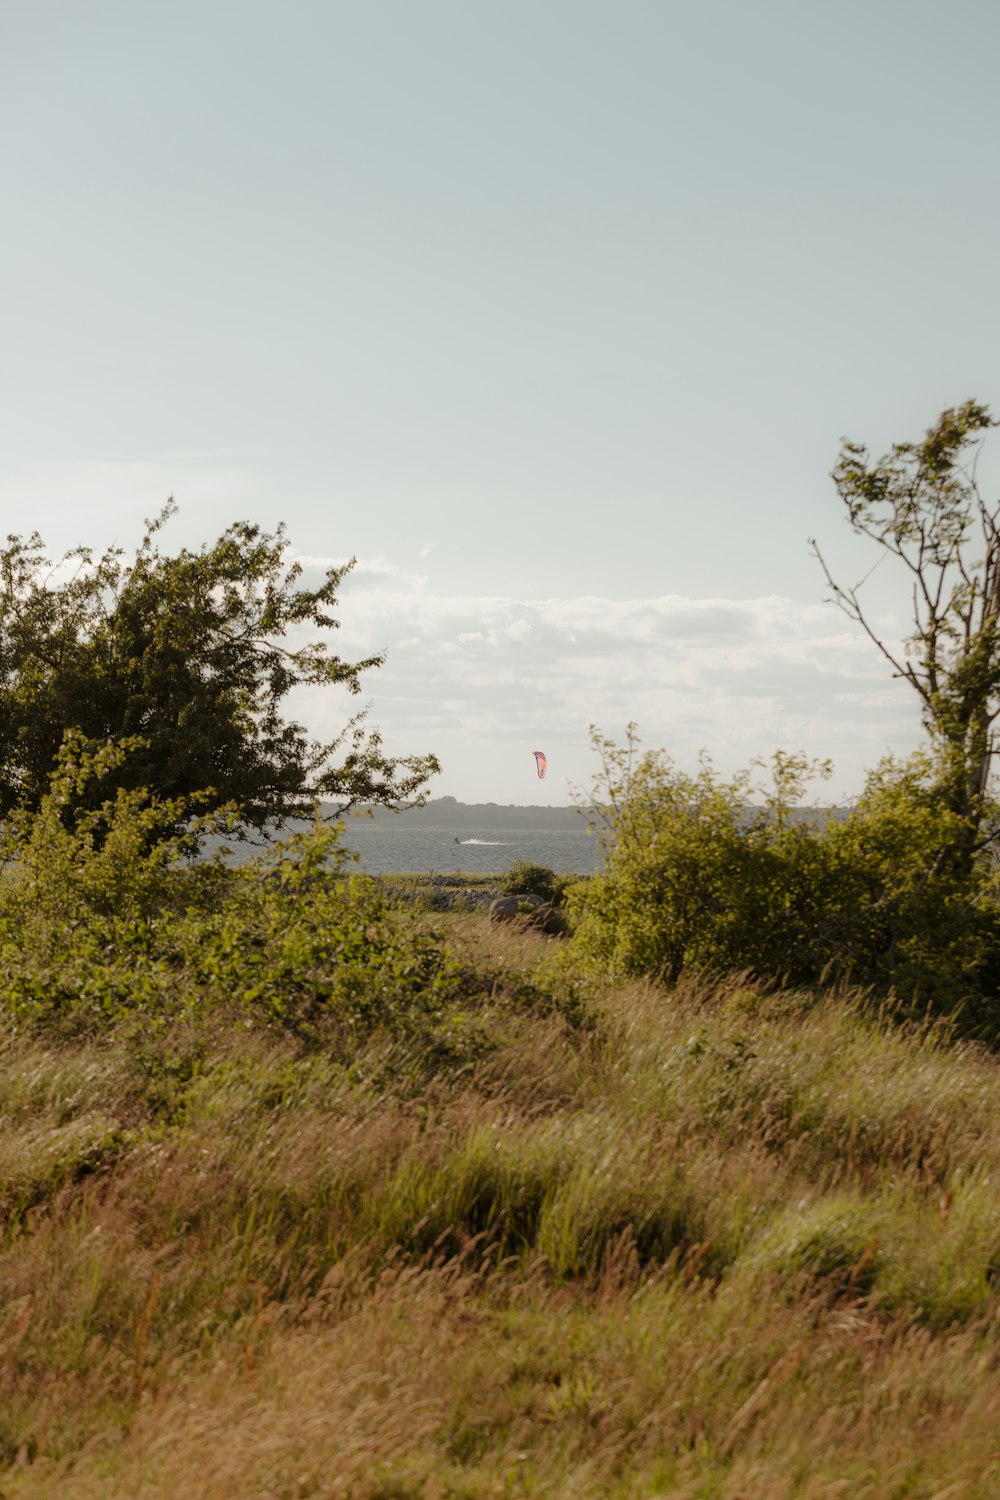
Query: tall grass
554	1238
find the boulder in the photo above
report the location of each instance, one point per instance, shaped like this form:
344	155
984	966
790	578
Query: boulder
504	909
548	918
529	910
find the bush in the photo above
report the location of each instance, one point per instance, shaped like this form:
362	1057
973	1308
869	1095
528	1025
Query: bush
108	918
900	912
706	874
523	878
695	875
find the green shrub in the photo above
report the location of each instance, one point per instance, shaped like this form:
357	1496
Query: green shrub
105	918
711	875
695	875
523	878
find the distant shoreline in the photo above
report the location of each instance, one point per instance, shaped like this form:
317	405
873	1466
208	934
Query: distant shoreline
448	812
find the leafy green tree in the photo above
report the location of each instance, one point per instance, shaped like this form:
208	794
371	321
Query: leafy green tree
708	875
189	658
923	505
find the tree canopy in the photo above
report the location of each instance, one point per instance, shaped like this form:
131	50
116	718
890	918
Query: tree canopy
190	658
922	504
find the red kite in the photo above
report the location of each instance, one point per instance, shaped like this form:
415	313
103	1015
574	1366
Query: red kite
540	762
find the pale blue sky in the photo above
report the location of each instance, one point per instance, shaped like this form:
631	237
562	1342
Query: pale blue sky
554	313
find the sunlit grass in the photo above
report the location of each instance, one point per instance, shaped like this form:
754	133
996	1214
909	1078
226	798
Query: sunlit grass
725	1242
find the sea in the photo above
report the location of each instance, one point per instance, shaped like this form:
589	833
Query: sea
395	847
448	837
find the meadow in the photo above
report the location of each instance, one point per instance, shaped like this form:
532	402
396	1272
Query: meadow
448	1214
314	1184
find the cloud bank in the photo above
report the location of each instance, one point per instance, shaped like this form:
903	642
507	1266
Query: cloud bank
482	680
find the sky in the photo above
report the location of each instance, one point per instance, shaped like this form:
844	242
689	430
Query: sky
552	313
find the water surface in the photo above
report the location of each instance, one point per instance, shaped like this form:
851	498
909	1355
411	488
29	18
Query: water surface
395	846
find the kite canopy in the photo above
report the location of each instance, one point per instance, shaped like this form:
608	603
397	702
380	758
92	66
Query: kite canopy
540	762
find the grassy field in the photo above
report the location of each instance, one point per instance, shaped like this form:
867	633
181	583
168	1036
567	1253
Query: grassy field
571	1240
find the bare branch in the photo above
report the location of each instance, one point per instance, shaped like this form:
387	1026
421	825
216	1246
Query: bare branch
846	600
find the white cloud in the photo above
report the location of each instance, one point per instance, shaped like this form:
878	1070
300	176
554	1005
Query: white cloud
483	680
361	567
476	677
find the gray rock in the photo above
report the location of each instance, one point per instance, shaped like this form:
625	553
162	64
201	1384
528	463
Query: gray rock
548	918
504	909
529	910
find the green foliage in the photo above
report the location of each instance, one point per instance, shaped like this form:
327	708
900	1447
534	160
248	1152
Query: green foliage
105	918
712	875
694	875
218	1217
523	877
191	657
108	868
489	1187
902	912
921	504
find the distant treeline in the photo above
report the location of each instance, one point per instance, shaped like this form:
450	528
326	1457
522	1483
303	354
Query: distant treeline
447	812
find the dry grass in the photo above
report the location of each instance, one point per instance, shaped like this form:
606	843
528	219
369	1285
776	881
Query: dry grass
450	1382
725	1244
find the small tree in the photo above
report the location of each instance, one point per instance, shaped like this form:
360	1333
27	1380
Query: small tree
922	504
189	658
